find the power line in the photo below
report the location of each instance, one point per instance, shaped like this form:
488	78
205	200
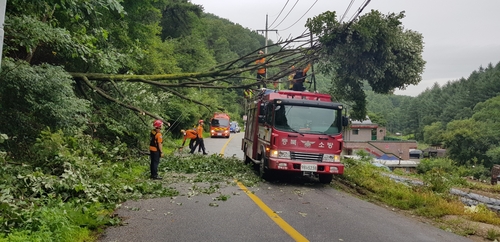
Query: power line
347	10
360	9
287	14
279	13
301	16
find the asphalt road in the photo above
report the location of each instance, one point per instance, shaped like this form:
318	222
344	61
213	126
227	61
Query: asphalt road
293	209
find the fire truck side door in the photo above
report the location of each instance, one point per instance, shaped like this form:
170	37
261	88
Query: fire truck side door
262	113
269	115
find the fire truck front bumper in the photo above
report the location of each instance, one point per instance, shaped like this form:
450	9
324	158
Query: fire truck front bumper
300	166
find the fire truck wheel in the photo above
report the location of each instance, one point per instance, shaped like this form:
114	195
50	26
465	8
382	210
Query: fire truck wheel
247	159
325	178
264	173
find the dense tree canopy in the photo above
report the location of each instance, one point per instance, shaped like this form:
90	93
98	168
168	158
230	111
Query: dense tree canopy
46	41
132	61
374	48
460	115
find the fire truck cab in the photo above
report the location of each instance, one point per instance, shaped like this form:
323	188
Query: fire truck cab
295	131
219	125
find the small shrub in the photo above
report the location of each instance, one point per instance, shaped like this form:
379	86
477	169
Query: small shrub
493	234
481	213
444	164
437	180
478	172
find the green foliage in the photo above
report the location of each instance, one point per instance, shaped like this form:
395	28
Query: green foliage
3	138
40	33
192	55
444	164
378	119
482	213
362	174
35	97
178	18
68	33
477	171
437	180
74	193
391	57
62	222
210	169
465	141
433	133
461	115
240	41
446	116
112	36
494	155
493	234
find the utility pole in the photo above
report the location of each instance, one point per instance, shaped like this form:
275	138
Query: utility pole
265	36
3	6
265	33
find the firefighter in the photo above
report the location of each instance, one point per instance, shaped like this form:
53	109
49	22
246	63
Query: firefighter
199	141
261	72
191	135
299	78
248	93
155	148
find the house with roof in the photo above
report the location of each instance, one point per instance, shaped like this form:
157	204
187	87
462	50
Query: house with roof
370	137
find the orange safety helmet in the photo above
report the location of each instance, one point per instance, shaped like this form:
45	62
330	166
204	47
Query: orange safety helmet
157	123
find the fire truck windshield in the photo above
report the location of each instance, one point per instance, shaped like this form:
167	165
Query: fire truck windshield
307	120
220	122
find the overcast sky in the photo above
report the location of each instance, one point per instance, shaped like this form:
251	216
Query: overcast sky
459	35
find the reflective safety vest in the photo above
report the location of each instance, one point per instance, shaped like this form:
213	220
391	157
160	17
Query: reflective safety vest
248	93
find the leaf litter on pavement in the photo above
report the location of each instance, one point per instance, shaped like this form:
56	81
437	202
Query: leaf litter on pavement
195	175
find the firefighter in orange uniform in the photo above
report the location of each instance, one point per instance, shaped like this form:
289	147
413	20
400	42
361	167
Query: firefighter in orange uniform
261	72
190	134
199	141
155	148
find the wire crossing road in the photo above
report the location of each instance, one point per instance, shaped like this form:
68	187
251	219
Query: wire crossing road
300	209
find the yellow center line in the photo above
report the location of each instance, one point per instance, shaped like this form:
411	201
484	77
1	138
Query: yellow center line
277	219
225	145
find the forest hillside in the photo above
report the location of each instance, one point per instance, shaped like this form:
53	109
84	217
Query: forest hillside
461	115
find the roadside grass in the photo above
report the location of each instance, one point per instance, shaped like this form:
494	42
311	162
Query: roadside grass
493	234
431	200
482	187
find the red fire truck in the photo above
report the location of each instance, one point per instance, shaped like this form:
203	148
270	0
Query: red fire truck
219	125
295	132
